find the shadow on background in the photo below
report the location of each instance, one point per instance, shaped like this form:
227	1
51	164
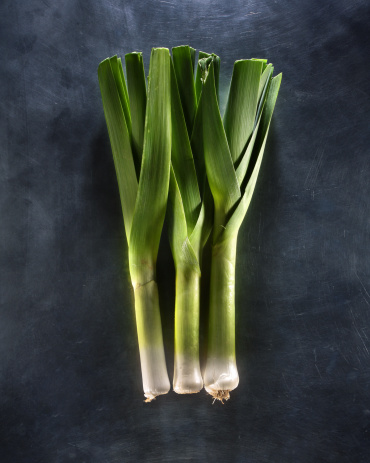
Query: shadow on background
258	344
19	433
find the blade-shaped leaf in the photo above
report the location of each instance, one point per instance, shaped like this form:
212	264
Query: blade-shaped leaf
263	61
120	142
220	169
244	163
192	56
196	139
182	158
199	75
184	69
235	221
241	106
182	250
203	227
137	97
265	77
268	110
198	216
243	166
196	143
152	194
123	82
264	92
216	69
117	70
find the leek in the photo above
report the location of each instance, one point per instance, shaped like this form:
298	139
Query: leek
145	149
233	150
189	221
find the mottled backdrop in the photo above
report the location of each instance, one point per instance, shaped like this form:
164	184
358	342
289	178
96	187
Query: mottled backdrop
70	384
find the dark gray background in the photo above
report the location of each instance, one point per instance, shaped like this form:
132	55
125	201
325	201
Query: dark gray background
70	387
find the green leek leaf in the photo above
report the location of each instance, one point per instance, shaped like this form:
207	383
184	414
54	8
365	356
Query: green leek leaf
198	77
120	141
203	227
241	106
202	58
183	62
235	221
137	97
265	77
181	156
116	65
150	207
219	166
182	250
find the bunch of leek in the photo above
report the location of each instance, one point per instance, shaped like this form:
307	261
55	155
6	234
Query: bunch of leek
173	139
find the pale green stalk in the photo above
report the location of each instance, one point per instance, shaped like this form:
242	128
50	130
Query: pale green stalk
221	374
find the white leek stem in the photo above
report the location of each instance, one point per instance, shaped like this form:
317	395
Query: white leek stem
221	375
187	376
149	329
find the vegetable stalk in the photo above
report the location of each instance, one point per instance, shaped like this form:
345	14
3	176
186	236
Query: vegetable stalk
221	374
233	150
187	376
190	217
145	149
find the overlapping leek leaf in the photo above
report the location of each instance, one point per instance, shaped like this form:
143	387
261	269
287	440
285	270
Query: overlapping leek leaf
219	166
137	96
204	60
183	61
239	118
115	109
258	147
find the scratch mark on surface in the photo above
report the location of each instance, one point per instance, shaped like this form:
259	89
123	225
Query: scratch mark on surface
314	169
363	286
30	159
358	333
344	357
318	371
317	368
285	381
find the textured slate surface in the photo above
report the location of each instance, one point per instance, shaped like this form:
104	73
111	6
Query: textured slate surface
70	385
